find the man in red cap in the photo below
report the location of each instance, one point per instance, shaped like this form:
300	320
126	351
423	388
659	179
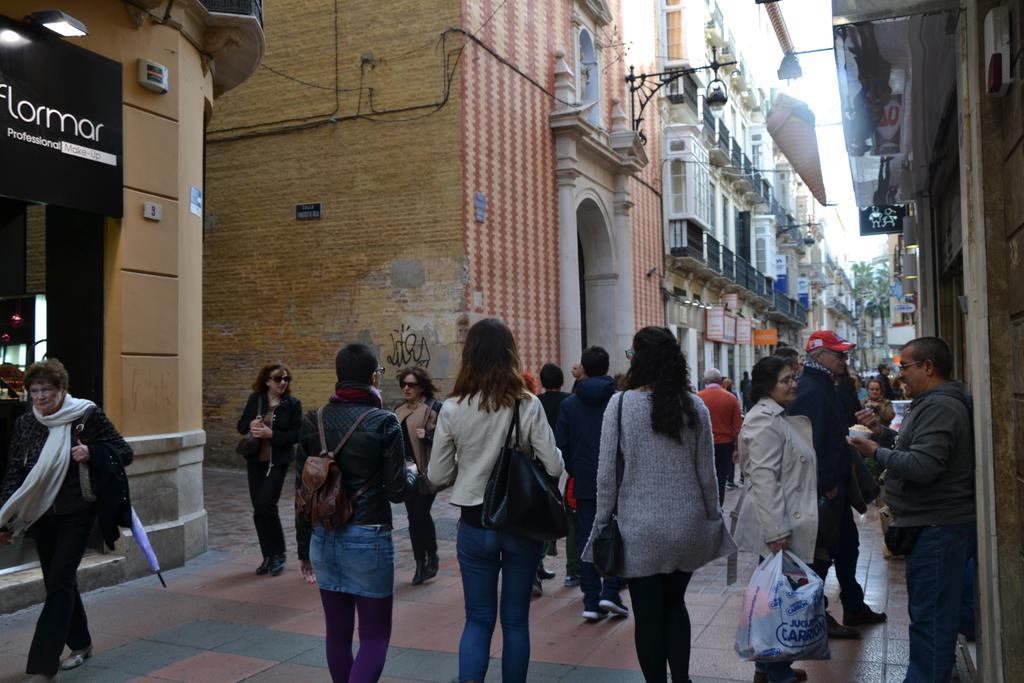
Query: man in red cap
818	399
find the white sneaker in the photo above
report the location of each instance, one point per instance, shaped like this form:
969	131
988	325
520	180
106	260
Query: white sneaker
594	614
616	608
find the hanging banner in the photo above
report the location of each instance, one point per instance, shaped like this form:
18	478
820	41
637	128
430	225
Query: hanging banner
60	122
803	291
730	330
743	335
768	337
715	330
781	268
732	301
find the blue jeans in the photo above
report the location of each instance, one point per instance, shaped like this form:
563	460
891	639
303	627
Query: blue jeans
483	553
594	589
935	583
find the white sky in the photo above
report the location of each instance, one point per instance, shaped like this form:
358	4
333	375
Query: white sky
810	26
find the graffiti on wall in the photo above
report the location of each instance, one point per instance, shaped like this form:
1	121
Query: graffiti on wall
408	348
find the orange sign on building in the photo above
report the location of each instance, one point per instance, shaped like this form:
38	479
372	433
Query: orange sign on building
766	337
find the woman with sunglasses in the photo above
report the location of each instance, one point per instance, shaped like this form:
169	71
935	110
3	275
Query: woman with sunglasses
273	416
418	416
779	506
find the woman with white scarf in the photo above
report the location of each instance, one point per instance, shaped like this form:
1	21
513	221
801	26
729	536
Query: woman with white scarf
47	494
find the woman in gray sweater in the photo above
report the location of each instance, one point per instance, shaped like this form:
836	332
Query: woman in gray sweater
668	513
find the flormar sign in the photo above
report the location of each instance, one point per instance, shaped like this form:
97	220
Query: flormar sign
60	122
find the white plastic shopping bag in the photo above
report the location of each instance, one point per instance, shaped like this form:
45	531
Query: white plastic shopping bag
783	615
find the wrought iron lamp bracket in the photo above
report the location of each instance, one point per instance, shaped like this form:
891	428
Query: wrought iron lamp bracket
643	87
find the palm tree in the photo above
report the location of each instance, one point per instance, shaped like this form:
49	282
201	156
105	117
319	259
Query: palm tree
871	294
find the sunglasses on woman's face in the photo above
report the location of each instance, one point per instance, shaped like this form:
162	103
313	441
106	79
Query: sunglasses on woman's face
282	379
408	385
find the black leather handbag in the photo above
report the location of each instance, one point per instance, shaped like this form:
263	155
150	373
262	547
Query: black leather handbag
520	497
607	545
249	445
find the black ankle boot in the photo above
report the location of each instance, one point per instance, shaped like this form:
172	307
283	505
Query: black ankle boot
263	568
417	578
430	566
276	565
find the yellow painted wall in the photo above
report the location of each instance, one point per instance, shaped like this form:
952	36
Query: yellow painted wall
153	279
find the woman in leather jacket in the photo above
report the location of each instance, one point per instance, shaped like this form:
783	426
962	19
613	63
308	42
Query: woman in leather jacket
354	563
52	490
273	416
418	417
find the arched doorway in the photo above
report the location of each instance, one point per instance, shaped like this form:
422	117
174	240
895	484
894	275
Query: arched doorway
597	277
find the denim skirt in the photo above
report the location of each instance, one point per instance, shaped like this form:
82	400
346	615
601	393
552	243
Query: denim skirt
354	559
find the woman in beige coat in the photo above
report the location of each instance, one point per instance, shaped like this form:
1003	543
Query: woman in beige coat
779	506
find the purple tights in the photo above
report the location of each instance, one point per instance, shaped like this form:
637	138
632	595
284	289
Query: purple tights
374	636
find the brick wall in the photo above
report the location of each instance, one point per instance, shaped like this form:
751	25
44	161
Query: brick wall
384	265
509	158
399	259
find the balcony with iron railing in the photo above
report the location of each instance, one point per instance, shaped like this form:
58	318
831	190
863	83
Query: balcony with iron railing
745	172
728	263
736	155
684	90
697	250
786	309
238	58
800	313
713	253
721	150
709	128
253	8
686	239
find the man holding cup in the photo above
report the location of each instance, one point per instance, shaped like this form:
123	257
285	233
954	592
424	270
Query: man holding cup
930	490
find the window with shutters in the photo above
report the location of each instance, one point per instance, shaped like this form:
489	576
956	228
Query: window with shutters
761	261
672	13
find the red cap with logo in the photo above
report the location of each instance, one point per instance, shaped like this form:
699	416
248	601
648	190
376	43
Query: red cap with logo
827	339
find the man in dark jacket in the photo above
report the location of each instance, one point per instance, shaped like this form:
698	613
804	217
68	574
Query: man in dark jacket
930	489
552	379
818	399
578	435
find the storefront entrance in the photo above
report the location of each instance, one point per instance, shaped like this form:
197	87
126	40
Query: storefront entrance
51	306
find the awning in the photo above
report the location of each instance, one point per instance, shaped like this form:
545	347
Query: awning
857	11
791	125
896	78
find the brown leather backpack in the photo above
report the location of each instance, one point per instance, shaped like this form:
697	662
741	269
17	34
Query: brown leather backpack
321	497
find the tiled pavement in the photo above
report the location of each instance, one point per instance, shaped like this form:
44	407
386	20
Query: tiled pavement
218	622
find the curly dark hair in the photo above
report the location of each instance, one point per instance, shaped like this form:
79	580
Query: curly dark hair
423	377
490	367
260	385
659	363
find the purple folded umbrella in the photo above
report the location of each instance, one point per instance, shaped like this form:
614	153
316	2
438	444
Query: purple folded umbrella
142	540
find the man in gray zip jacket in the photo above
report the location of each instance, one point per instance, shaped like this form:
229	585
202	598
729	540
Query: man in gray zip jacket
929	487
